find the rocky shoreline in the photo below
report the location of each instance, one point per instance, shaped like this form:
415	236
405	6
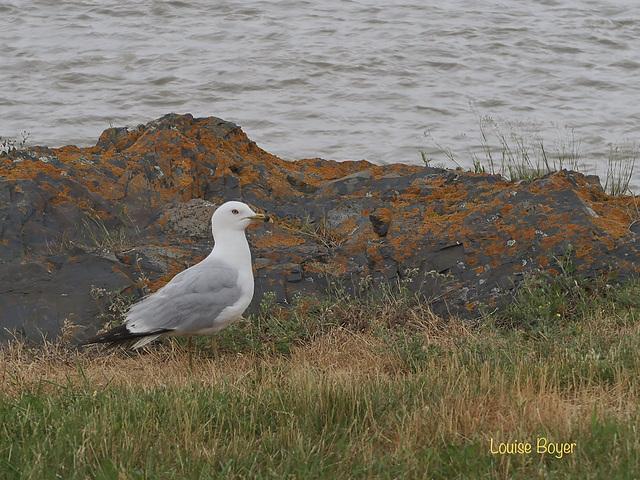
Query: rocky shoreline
128	214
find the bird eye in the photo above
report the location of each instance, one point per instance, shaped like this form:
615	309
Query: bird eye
235	212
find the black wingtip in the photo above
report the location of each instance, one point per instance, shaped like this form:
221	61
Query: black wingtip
119	334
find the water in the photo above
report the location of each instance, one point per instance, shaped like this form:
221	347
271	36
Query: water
339	79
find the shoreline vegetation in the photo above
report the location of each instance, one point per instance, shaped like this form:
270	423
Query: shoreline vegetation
366	386
518	151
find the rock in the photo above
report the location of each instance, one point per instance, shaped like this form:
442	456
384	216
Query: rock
134	210
381	220
40	293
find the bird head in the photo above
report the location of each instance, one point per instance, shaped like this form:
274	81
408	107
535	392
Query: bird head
236	216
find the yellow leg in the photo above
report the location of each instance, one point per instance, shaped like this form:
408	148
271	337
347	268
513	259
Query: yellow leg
190	353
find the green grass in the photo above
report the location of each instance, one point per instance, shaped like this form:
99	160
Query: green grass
9	145
518	151
373	386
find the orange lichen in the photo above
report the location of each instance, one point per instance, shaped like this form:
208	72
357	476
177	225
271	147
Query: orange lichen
139	173
28	169
506	209
384	214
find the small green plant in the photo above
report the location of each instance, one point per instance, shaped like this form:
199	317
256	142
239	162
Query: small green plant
517	150
560	296
275	329
113	135
363	307
425	159
522	151
447	152
95	231
620	166
477	166
8	145
60	244
320	231
113	305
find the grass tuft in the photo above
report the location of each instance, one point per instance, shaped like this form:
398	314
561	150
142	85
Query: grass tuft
517	150
9	145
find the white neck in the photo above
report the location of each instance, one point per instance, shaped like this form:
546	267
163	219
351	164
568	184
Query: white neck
235	246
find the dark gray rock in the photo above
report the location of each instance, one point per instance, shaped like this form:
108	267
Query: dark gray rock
134	210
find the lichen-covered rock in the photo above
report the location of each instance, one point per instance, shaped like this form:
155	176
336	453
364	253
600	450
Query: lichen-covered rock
131	212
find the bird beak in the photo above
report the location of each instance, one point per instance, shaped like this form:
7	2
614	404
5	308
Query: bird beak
259	217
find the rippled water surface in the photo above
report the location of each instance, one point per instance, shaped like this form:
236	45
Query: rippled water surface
338	79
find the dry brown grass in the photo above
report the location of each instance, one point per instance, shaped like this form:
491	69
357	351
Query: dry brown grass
461	399
353	387
50	366
340	351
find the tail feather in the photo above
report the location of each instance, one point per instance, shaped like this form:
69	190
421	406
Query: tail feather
120	334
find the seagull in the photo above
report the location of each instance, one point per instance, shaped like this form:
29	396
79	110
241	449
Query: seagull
203	299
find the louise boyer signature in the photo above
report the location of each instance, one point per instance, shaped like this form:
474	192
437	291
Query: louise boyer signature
541	446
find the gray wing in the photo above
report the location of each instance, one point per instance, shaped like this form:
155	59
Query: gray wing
189	302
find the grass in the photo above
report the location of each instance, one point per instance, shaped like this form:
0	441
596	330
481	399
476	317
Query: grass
320	231
9	145
620	167
93	231
373	386
517	150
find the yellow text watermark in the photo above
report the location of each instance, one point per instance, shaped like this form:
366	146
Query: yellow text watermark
541	446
